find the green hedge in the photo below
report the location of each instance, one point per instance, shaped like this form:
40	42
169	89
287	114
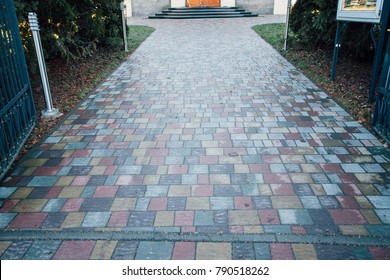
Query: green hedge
314	23
72	28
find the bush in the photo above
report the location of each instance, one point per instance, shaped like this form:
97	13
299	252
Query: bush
314	24
72	28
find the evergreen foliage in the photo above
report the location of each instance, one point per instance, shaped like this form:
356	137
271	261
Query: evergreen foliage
314	24
72	28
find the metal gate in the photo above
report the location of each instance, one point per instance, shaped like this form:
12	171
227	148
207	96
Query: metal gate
381	121
17	113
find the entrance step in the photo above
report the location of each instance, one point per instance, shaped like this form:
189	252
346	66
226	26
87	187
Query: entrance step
202	12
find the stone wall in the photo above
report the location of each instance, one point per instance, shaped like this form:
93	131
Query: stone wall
142	8
280	7
257	6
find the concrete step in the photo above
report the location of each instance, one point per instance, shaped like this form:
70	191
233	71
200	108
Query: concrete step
202	12
200	16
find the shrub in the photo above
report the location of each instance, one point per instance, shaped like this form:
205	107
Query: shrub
72	28
314	24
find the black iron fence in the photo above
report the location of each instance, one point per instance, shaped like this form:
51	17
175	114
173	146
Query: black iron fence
17	113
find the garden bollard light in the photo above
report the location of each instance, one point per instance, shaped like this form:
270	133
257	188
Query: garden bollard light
50	111
123	7
287	23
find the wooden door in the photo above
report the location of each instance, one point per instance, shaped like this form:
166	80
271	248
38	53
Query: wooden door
203	3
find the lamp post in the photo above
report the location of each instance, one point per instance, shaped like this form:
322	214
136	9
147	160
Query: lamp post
123	7
50	111
287	23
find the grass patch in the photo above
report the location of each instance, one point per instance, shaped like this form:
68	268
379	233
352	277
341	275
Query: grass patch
137	34
351	88
272	33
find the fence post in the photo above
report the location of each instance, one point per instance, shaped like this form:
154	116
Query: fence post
124	25
50	111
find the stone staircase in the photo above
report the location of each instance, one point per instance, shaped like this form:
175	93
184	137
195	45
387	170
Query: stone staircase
202	12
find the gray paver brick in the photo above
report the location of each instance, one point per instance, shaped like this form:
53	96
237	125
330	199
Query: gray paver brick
154	250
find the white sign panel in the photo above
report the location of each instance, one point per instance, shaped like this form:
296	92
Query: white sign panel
360	10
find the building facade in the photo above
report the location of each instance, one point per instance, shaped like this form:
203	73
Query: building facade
141	8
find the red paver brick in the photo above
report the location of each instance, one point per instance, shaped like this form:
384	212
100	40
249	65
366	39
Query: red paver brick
53	192
208	159
277	143
298	230
306	124
331	167
72	205
107	161
9	205
352	150
236	229
118	219
350	189
286	151
281	252
380	253
28	220
271	159
184	218
188	131
75	250
65	162
80	180
282	189
105	138
347	217
184	251
110	170
315	143
222	137
348	202
202	190
158	204
163	137
130	180
45	147
348	178
161	145
178	169
71	132
10	181
47	171
105	191
81	153
203	179
293	136
269	217
243	202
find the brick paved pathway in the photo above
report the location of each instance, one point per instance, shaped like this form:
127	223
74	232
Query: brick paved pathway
204	144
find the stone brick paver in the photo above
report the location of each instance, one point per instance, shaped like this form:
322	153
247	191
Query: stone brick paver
204	144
